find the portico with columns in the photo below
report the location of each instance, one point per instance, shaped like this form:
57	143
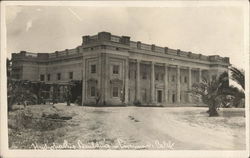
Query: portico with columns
163	83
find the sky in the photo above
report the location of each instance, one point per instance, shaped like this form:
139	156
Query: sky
216	30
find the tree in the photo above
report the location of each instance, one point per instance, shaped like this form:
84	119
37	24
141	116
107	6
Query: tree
238	76
19	92
8	66
211	92
237	94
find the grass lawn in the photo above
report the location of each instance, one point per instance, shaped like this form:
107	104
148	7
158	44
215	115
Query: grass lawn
178	128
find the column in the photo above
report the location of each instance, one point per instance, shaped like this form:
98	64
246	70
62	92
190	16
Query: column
102	77
199	80
209	76
106	79
189	84
126	81
166	82
99	83
152	82
178	91
200	77
84	90
138	81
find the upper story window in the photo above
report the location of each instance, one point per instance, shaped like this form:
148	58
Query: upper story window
185	79
157	77
58	76
48	77
93	69
173	78
71	75
144	75
41	77
115	69
162	77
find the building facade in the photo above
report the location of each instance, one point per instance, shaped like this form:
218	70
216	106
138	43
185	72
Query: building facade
115	70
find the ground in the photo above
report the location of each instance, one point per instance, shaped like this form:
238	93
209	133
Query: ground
178	128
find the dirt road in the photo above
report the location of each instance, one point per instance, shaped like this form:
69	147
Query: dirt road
155	128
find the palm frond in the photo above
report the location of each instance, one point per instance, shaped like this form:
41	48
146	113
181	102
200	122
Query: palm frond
238	76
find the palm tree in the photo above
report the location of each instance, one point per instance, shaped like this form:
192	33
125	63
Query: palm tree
238	76
211	92
238	94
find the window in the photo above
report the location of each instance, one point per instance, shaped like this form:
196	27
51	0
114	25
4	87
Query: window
115	91
173	78
71	75
157	77
185	79
93	69
41	77
162	77
48	77
115	69
58	76
92	91
144	75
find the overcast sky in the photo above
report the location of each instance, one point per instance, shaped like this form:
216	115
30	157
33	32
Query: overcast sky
205	30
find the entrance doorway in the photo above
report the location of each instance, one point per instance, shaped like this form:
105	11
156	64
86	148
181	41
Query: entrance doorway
159	96
173	98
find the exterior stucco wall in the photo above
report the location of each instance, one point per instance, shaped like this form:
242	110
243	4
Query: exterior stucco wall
174	70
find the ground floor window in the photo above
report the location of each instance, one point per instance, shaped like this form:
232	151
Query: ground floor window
48	77
115	91
71	75
92	91
41	77
58	76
